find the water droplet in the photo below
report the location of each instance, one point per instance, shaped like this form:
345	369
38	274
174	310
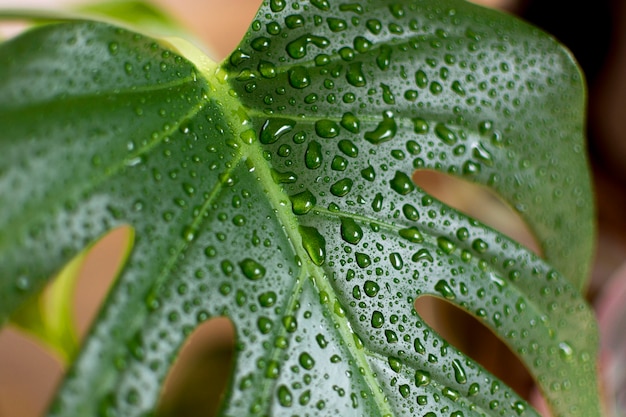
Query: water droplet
285	398
273	129
410	212
396	261
326	128
391	336
471	168
284	177
351	7
480	245
385	131
479	152
314	244
351	123
401	183
458	88
420	126
363	260
264	325
473	389
445	245
421	79
368	173
378	319
297	48
412	234
565	351
371	288
252	269
299	77
418	346
339	163
321	4
388	97
313	155
446	135
260	44
267	299
294	21
383	60
355	76
435	88
443	288
302	202
422	255
459	372
114	48
277	5
351	232
336	25
361	44
306	361
347	147
341	187
422	378
377	203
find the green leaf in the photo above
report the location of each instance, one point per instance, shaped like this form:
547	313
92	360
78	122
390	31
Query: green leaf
276	189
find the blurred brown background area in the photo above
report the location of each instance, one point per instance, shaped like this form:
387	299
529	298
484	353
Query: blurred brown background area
596	34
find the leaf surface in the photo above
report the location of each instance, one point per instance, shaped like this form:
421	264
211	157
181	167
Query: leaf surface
276	190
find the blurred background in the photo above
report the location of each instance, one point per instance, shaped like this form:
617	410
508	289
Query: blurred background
595	33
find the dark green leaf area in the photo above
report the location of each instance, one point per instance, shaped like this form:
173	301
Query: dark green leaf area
442	85
77	130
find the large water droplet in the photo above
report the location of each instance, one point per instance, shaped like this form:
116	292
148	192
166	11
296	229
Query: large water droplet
326	128
252	269
351	232
385	131
401	183
297	48
313	155
446	135
314	244
355	75
378	319
273	129
350	122
341	187
443	288
302	202
299	77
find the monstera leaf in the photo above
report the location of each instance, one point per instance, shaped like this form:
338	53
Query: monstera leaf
275	189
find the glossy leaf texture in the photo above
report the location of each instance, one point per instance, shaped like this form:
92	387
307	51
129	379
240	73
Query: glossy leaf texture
276	190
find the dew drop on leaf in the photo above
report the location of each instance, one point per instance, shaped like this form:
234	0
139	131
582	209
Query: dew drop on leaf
306	361
252	269
412	234
341	187
273	129
378	319
314	244
401	183
299	77
351	232
303	202
350	122
443	288
355	75
326	128
422	378
313	155
446	135
385	131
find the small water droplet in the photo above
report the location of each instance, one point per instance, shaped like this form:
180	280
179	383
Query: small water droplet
306	361
421	79
388	97
396	261
368	173
412	234
445	245
459	372
422	378
371	288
